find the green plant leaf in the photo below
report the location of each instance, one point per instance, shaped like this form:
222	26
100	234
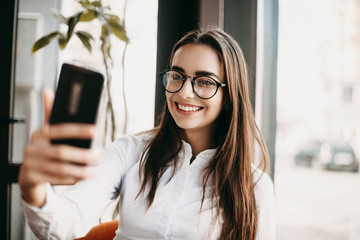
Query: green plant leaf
96	3
62	41
85	39
58	16
43	41
72	21
113	17
104	32
88	16
117	29
84	3
86	34
90	5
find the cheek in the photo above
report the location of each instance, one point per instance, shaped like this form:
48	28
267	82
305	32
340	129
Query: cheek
218	102
168	97
168	101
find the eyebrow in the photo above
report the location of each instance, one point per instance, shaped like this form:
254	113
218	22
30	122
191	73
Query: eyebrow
197	73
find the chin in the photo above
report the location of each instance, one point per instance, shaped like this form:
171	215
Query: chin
185	126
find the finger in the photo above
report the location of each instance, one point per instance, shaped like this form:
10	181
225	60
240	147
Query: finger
39	138
53	180
63	181
48	100
51	169
39	171
64	153
71	131
67	153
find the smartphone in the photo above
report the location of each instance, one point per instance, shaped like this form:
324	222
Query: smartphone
77	99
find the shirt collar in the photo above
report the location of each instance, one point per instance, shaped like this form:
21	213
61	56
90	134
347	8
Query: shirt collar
201	159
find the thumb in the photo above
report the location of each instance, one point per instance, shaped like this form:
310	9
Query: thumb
48	100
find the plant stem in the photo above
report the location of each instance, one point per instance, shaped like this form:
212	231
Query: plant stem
123	88
109	108
123	72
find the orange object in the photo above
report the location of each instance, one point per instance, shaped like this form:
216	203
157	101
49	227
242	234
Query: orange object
103	231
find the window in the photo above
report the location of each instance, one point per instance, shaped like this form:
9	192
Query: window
347	94
33	72
140	62
317	183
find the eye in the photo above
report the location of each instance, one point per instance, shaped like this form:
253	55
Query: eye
205	82
175	76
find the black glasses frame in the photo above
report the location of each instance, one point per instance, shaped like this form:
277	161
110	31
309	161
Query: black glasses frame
185	77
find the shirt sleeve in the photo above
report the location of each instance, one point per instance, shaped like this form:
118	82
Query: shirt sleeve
264	193
75	212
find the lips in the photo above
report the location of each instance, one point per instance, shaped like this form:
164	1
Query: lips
188	108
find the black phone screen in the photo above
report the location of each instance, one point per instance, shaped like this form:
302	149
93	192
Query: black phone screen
77	99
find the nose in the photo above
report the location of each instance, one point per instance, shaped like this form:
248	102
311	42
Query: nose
187	91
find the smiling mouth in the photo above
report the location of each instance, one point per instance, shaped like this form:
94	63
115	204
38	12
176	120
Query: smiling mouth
188	108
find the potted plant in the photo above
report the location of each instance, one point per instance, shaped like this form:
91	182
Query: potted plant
110	25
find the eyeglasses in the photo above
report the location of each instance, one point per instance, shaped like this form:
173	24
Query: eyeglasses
204	87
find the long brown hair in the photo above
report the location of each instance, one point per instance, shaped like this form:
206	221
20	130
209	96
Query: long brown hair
231	167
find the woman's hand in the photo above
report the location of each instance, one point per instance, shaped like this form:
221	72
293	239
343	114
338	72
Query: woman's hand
56	164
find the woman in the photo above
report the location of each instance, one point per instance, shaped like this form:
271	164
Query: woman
190	178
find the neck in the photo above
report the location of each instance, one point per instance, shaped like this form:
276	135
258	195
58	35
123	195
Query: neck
199	140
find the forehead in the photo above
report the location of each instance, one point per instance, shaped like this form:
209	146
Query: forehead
197	57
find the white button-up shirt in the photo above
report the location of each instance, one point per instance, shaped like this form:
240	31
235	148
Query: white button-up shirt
174	214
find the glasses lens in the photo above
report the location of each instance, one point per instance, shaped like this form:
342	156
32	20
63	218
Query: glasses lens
172	81
205	87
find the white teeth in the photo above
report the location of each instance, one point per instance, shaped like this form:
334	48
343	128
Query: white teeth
188	109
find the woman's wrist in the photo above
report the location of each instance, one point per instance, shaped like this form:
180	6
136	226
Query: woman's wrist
34	195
